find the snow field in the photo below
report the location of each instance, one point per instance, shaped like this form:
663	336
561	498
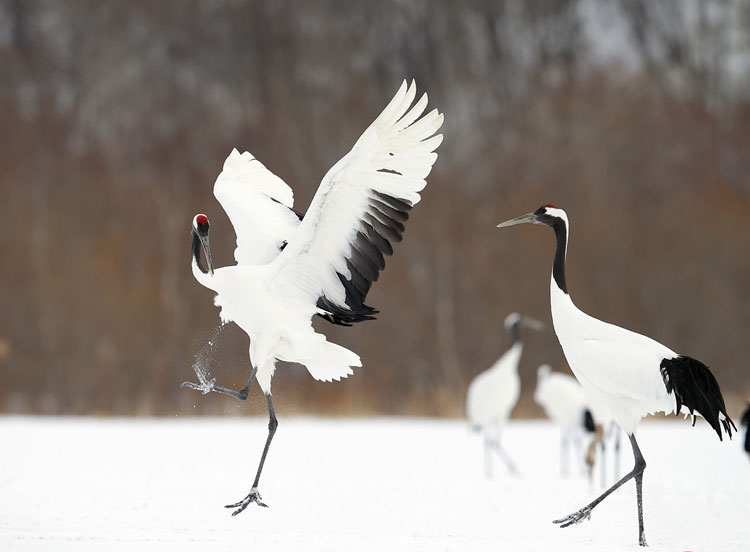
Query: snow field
351	484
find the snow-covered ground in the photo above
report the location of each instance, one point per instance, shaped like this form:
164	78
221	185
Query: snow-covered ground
342	484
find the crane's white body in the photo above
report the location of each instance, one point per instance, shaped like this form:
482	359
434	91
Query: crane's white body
562	398
493	393
619	368
279	326
272	295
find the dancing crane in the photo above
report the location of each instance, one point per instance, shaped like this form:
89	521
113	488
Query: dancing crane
629	373
291	267
493	393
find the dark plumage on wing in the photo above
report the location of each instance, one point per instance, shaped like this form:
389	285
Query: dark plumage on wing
383	222
693	385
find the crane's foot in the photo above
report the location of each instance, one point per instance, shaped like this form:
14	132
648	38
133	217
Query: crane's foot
205	385
642	540
576	517
254	496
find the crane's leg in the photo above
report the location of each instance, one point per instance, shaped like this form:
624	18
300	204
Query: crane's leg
603	453
618	433
579	456
254	495
206	386
637	473
502	454
638	488
596	439
564	453
487	454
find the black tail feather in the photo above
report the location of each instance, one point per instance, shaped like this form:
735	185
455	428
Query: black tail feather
588	421
694	386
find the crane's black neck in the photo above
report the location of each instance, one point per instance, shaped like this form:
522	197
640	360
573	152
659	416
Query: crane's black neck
197	253
558	268
515	333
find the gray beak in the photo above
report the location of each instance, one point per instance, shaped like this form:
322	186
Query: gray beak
207	250
532	323
529	217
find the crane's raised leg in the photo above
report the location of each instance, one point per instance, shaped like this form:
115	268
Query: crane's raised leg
637	473
206	385
254	495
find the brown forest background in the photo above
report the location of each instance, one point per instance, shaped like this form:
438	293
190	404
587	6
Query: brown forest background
116	118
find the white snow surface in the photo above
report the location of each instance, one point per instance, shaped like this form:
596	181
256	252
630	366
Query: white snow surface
379	484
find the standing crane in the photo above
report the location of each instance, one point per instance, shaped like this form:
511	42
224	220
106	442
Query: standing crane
493	393
631	374
565	403
292	267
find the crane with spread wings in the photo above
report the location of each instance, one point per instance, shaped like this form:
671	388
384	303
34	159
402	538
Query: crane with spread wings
291	267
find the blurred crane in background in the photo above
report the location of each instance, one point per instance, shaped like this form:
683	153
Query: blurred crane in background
565	403
493	393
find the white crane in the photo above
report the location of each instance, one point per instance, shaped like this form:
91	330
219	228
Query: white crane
493	393
565	402
290	268
631	374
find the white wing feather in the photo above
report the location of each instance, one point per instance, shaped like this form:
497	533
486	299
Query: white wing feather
391	158
259	205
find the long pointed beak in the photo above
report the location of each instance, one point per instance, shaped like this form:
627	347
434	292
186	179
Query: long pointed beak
532	323
207	250
529	217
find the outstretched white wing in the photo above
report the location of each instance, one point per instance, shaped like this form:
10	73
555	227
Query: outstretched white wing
259	205
360	207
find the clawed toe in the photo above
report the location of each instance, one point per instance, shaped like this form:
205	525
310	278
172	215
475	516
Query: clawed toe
253	496
577	517
205	386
